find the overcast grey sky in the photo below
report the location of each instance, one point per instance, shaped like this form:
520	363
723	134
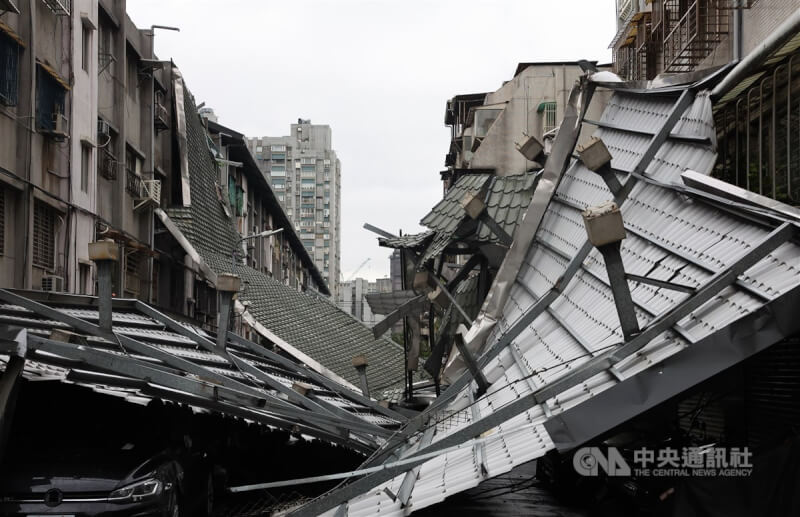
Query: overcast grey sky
377	71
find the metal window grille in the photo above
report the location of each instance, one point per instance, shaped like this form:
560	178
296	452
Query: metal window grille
549	117
50	97
9	66
44	235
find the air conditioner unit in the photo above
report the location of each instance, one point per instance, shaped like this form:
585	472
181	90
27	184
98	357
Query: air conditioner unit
103	128
60	126
53	283
59	7
151	194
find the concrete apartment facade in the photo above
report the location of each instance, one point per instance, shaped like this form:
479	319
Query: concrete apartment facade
682	36
353	298
86	153
305	174
757	136
487	127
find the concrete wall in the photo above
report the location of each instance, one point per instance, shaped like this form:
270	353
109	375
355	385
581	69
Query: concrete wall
520	99
84	139
34	163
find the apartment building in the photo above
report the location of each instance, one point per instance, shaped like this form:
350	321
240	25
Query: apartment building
353	298
487	128
255	207
755	120
77	98
672	36
305	174
87	150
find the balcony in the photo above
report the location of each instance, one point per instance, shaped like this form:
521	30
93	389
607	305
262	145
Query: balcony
108	166
695	34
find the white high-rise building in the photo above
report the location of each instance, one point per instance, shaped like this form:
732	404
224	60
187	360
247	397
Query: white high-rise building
306	175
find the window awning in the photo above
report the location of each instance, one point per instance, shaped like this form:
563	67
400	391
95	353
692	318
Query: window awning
11	34
544	105
52	72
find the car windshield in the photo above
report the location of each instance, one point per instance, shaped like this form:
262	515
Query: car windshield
55	420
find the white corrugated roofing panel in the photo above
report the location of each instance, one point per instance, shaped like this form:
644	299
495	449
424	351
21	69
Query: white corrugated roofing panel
671	237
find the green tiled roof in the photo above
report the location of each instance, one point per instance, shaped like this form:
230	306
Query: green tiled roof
506	202
506	199
447	214
316	327
410	241
312	325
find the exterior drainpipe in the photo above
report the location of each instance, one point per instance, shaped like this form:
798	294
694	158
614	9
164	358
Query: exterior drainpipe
227	285
360	364
737	30
104	253
606	230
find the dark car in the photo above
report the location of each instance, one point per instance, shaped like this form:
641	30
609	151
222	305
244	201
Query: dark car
93	461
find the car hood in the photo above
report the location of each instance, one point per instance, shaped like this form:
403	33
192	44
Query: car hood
89	471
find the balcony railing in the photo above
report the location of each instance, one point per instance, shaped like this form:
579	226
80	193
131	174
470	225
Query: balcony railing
133	184
695	34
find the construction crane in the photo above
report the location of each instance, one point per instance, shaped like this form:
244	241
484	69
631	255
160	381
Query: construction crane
354	273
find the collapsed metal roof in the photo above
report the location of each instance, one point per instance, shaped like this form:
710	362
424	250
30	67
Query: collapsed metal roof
505	199
716	281
150	355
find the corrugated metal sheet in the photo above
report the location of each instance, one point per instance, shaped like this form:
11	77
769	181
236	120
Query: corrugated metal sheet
670	237
154	333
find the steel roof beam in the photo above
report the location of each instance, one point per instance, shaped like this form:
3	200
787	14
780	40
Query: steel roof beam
316	406
127	366
412	306
583	373
316	377
177	362
414	425
410	479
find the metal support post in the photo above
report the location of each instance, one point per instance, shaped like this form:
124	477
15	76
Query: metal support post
104	253
227	285
360	364
620	289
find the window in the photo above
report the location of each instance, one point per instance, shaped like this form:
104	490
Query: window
44	235
50	95
548	110
105	44
133	173
86	166
259	149
278	156
86	48
277	148
133	74
9	68
84	277
484	119
278	168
